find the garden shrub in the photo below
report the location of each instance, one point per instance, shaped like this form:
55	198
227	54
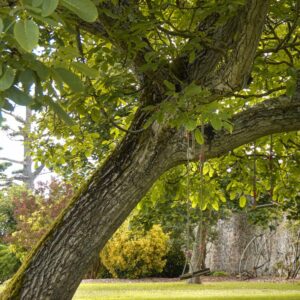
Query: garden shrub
132	254
9	263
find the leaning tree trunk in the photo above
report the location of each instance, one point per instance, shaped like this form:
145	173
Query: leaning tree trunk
63	257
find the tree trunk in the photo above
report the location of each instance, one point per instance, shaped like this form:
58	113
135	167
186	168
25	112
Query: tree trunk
27	167
55	268
27	174
199	251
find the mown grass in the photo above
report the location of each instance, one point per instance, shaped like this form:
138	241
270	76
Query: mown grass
183	291
180	290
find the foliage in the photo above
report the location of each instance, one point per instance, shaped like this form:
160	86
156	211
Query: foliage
7	220
33	212
9	263
132	254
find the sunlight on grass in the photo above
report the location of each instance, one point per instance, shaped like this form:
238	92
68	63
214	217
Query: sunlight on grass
183	291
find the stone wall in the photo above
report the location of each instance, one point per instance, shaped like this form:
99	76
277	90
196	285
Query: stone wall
229	253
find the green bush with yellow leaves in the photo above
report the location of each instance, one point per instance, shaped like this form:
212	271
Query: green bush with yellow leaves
132	254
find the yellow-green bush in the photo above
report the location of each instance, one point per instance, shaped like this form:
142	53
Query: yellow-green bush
131	254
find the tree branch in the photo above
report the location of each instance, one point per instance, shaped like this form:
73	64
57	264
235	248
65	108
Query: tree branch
38	171
239	37
277	115
12	160
17	118
261	120
280	88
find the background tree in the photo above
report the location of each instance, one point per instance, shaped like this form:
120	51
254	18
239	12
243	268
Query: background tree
27	174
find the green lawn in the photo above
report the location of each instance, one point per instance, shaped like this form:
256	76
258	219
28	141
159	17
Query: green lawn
183	291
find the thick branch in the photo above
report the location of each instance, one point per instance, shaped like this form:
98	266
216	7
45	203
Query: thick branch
239	37
38	171
270	117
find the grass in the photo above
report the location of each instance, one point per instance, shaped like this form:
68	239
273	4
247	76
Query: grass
183	291
180	290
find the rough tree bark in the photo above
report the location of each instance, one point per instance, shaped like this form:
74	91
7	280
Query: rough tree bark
54	269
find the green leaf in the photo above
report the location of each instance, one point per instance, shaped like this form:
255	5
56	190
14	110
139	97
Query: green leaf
216	123
72	80
18	96
7	79
27	34
169	85
211	172
199	137
193	90
232	195
84	9
95	114
86	70
243	201
215	205
206	168
58	109
204	205
37	3
49	7
190	124
1	25
222	197
41	69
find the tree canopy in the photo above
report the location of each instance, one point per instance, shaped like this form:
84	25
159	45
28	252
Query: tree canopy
123	85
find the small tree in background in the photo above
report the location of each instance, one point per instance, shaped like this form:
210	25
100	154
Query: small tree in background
31	213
